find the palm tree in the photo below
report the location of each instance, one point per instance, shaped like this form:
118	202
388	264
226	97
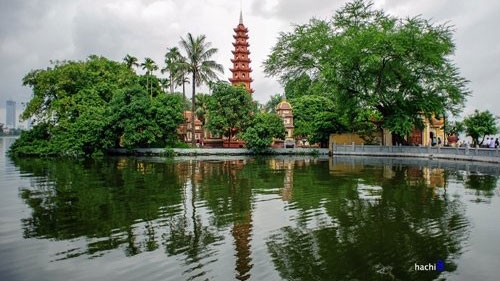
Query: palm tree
202	101
165	84
198	63
182	80
274	100
174	63
130	61
149	65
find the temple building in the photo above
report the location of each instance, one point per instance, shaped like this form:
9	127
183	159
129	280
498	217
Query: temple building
241	62
184	129
284	110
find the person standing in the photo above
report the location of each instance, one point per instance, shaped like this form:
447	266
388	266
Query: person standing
492	143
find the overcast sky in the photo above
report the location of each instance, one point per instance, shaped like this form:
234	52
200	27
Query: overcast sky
33	32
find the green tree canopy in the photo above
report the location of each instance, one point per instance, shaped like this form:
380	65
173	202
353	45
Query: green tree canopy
479	125
142	122
371	61
62	91
315	118
230	109
265	127
86	107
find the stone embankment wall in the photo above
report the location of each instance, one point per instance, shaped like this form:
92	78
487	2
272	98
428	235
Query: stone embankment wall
490	155
219	151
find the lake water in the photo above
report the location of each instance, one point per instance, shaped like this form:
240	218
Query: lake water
241	218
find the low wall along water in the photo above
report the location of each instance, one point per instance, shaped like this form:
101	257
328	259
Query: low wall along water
491	155
220	151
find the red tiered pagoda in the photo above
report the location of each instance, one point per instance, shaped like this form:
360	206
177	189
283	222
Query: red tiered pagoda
241	62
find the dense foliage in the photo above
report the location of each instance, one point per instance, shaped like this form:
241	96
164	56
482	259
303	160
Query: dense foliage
230	110
85	107
315	118
479	125
265	126
371	63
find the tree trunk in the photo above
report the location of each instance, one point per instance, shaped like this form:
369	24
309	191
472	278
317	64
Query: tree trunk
171	83
193	128
147	82
183	88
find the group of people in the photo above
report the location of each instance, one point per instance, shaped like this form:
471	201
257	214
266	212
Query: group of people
491	143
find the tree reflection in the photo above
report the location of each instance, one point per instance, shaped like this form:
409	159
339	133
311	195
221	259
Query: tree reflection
349	221
369	239
115	202
483	184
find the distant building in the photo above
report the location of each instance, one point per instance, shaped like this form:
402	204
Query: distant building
10	118
241	62
184	131
284	110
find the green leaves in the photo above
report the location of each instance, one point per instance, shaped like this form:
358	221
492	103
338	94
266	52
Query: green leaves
141	121
86	107
315	118
371	61
229	108
265	127
479	125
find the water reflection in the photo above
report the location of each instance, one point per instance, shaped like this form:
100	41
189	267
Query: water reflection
407	222
349	219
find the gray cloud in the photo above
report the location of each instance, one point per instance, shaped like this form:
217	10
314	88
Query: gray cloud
295	11
33	32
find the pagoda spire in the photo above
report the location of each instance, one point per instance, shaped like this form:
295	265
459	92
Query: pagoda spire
241	62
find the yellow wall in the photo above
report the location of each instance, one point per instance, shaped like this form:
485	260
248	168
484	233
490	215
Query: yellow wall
347	138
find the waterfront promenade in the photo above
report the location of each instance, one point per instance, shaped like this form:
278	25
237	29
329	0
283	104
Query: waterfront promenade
489	155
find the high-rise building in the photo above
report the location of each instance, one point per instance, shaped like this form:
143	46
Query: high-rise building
241	62
10	118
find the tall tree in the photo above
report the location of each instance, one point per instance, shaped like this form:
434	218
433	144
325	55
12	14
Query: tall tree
401	68
230	110
479	125
202	101
164	84
265	126
141	121
131	61
69	104
174	63
149	65
182	80
201	67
